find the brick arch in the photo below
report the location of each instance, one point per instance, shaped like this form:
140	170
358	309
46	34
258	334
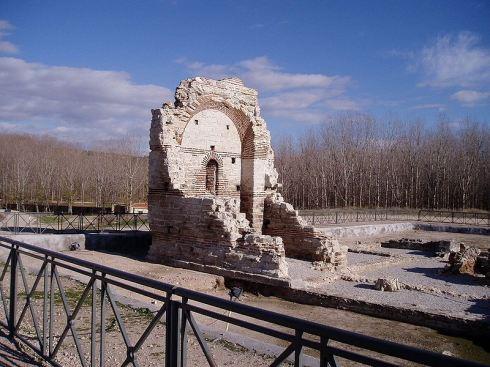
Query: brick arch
212	155
201	176
241	121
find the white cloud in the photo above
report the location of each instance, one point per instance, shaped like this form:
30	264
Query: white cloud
300	97
83	103
264	75
292	100
470	97
340	104
307	116
455	61
430	106
6	46
7	126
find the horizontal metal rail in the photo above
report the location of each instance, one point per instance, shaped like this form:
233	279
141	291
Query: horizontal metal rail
21	222
178	312
325	217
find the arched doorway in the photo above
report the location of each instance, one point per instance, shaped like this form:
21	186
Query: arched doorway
212	177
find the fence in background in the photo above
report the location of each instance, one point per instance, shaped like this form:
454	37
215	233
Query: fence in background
20	222
327	217
178	313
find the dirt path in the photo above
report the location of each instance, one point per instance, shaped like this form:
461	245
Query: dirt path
417	336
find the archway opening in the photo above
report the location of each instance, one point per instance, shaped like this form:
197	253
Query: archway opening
212	177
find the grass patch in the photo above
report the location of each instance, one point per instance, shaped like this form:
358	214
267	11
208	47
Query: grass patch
48	219
142	312
231	346
72	295
112	324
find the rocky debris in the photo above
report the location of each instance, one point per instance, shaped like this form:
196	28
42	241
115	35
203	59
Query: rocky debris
462	261
388	285
482	265
370	252
408	287
438	248
74	246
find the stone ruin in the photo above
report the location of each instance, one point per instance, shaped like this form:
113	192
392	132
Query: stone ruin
213	199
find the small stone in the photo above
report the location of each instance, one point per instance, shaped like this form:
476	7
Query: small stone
388	285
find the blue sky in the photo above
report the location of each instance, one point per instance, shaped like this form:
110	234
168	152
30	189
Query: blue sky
93	69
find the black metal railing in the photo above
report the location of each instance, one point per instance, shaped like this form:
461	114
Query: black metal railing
326	217
21	222
178	313
455	217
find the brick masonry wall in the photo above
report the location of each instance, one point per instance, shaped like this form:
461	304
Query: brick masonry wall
212	231
219	121
301	240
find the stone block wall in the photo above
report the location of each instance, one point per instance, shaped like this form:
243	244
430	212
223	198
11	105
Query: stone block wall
300	240
212	231
211	173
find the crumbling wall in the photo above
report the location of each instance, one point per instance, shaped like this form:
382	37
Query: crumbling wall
212	231
211	171
231	101
300	240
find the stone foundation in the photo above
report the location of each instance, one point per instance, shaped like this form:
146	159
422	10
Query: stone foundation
212	231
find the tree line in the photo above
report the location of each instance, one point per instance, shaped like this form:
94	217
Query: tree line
47	172
358	161
352	161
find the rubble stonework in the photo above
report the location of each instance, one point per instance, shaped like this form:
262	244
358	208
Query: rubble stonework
301	240
463	261
211	172
387	285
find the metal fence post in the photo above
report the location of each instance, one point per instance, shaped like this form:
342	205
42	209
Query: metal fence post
174	355
169	350
183	339
45	345
93	323
13	290
298	349
103	287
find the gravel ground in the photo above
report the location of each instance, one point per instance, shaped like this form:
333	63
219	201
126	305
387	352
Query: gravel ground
479	241
233	353
461	296
229	351
135	322
12	356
